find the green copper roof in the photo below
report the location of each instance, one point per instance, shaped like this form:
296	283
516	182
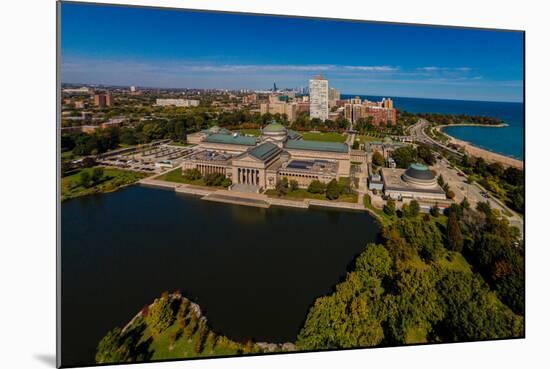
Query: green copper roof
264	151
293	135
231	139
274	127
316	145
419	166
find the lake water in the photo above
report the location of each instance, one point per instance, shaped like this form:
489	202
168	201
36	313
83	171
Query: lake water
255	272
506	140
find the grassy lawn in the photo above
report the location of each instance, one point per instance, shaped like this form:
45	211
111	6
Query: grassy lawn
249	131
183	347
111	181
176	176
364	138
320	136
302	193
454	261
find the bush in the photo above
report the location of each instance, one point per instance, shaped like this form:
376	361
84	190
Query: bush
333	192
293	185
97	174
316	186
214	179
367	200
434	210
389	208
85	179
450	194
226	182
192	174
282	186
414	208
377	158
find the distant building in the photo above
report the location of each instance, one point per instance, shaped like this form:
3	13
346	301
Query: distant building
333	94
250	99
318	96
133	89
280	107
177	102
79	90
103	99
387	116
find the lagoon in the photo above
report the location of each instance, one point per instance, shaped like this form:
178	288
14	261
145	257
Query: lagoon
255	272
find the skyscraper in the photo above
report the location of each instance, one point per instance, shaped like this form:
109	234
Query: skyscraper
318	98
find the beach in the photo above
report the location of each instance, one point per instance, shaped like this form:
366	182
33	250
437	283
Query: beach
487	155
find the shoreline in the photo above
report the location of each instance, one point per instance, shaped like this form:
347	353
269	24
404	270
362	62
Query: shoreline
472	150
254	200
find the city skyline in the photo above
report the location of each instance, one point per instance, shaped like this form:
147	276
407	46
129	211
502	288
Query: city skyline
186	49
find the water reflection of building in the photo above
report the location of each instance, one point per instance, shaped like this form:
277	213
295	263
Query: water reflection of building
255	163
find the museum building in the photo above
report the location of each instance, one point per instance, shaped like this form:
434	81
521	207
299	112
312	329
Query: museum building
256	163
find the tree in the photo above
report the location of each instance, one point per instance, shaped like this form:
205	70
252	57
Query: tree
97	174
192	174
404	156
434	210
414	208
109	349
450	194
88	162
333	192
454	234
377	159
316	186
465	203
425	153
161	314
85	179
293	185
282	186
470	312
389	207
440	180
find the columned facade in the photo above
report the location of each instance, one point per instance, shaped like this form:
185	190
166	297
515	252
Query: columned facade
249	176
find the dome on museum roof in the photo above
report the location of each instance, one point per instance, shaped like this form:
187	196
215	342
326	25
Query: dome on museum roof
274	127
419	171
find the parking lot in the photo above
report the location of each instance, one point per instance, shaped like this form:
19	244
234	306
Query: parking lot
149	160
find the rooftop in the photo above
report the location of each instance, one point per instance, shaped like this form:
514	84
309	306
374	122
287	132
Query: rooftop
233	139
317	146
265	151
274	127
393	181
419	171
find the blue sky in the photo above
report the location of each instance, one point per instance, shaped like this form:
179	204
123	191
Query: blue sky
172	48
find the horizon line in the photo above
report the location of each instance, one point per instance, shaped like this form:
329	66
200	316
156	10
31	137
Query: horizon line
267	89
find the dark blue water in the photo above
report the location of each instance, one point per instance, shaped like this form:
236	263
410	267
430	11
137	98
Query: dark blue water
506	140
255	272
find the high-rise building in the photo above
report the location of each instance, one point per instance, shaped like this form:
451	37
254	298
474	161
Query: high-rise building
318	97
387	103
333	94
